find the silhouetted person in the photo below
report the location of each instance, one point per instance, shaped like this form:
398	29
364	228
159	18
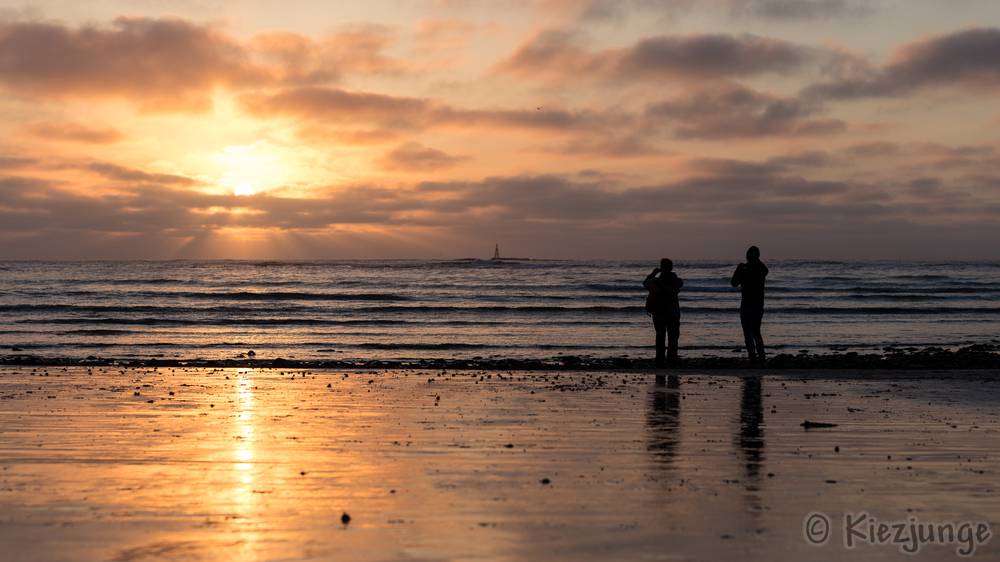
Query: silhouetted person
749	277
663	286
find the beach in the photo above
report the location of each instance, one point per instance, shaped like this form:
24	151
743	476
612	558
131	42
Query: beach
184	463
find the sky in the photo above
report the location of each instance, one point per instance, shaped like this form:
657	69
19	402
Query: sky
604	129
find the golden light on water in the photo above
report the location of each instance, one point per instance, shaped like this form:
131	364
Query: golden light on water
243	452
244	467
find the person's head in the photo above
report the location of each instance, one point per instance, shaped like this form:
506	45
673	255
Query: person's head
666	265
753	253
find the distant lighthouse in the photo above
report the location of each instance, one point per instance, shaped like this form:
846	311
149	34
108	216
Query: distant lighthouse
496	252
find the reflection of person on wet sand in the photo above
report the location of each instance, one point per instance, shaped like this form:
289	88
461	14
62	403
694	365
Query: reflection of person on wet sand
751	436
663	418
750	445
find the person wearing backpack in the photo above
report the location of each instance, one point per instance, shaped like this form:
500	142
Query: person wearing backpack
662	304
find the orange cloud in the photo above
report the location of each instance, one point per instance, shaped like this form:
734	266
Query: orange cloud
162	64
171	64
415	157
298	59
76	132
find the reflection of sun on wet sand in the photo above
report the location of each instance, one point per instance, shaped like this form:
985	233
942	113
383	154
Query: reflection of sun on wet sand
240	464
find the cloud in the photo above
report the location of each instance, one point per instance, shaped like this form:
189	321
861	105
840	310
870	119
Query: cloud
345	136
699	56
798	9
162	63
13	162
170	64
415	157
968	59
372	111
589	11
298	59
338	106
805	159
121	173
735	111
76	132
712	201
629	145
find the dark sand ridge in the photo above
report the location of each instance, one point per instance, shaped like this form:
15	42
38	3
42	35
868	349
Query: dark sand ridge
979	356
102	463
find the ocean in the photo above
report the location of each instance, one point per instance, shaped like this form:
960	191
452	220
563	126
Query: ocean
464	309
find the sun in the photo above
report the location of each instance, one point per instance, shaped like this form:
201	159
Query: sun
244	189
250	169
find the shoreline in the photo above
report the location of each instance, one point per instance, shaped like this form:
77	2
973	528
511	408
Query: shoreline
973	357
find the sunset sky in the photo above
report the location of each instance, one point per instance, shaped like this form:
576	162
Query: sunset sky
556	128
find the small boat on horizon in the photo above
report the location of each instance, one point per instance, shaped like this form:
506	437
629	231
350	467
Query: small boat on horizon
497	257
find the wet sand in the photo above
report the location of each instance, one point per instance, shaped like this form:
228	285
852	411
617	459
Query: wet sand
130	464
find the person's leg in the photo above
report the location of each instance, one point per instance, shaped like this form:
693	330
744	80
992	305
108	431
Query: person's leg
673	335
660	325
757	336
746	320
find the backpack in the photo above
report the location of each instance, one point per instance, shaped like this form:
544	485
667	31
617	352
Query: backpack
652	302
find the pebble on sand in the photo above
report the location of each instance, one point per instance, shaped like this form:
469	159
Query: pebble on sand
345	518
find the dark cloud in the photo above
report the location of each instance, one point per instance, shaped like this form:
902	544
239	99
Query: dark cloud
171	64
727	111
338	106
806	159
629	145
563	55
415	157
799	9
968	58
76	132
162	63
718	199
334	106
710	55
923	156
121	173
13	162
736	111
875	149
779	10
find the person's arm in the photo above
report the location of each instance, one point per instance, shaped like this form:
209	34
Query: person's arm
649	282
737	276
765	269
678	284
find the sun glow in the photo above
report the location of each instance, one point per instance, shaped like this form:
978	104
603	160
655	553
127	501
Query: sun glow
251	169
